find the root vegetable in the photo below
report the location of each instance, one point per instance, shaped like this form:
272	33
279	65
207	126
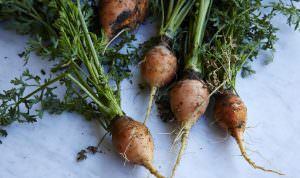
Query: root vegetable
134	142
116	15
230	113
158	69
189	97
130	138
159	66
160	63
88	89
188	100
229	53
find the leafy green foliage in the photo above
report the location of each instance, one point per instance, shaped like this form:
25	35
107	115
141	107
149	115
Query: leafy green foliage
78	56
34	18
16	105
74	100
289	10
155	7
237	32
118	64
45	37
37	18
29	17
173	14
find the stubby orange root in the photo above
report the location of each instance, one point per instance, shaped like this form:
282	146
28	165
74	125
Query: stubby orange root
230	113
158	68
188	100
134	142
150	103
118	14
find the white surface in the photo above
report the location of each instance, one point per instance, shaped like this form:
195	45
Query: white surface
48	148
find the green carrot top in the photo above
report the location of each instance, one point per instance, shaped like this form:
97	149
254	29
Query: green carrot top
196	33
77	39
238	31
172	19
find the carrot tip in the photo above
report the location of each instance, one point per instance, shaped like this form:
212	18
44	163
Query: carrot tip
246	157
152	170
184	139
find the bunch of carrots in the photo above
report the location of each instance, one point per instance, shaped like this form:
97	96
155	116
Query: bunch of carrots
218	39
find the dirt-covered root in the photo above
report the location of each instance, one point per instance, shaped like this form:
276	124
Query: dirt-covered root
184	140
240	143
230	113
134	142
189	100
159	66
119	14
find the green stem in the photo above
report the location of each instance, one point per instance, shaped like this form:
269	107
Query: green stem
77	71
118	83
40	88
193	61
182	14
89	39
35	16
175	17
90	67
113	105
103	108
171	4
162	14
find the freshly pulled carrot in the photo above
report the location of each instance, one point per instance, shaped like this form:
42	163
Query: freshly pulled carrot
116	15
134	142
130	138
159	65
232	44
188	100
189	97
158	69
230	113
